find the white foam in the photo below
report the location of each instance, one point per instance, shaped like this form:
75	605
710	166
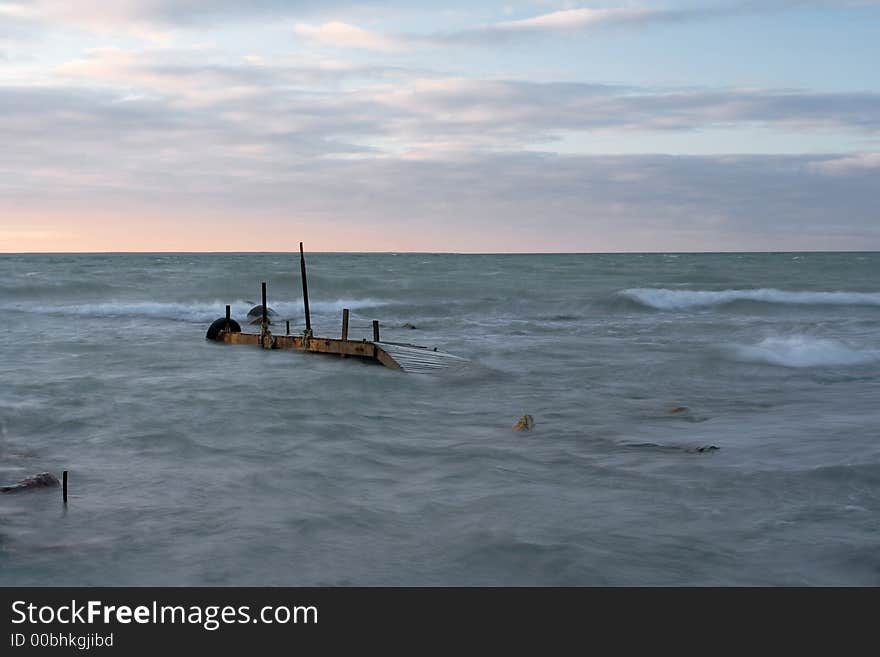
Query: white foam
200	311
665	299
804	351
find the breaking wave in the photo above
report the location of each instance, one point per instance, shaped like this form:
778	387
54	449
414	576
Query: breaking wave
199	311
804	351
664	299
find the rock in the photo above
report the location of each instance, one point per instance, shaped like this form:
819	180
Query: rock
678	409
525	423
702	449
39	480
257	311
408	326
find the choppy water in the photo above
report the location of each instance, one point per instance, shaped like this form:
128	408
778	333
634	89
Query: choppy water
196	463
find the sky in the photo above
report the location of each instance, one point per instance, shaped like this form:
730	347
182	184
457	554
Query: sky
518	126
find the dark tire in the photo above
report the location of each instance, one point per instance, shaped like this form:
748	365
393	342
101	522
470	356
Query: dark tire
217	327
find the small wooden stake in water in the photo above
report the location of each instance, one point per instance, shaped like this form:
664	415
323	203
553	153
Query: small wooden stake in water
375	330
228	317
64	486
265	309
288	327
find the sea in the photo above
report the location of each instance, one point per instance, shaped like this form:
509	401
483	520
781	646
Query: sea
699	419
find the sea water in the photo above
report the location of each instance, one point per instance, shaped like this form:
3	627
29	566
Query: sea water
196	463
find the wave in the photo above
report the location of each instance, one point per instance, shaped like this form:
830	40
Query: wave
197	311
665	299
804	351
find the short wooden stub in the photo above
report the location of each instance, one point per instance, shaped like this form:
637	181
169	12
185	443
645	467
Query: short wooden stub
64	486
375	330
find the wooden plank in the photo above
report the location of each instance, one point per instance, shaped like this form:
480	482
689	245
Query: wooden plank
413	358
383	357
316	345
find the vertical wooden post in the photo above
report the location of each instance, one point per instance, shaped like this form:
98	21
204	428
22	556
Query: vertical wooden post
265	309
288	327
64	486
302	269
375	330
228	317
344	326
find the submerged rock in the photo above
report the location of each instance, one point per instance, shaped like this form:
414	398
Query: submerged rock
409	326
687	449
39	480
257	311
675	410
525	423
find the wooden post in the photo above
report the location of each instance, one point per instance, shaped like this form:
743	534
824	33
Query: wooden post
288	327
344	325
265	309
302	268
228	317
375	330
64	486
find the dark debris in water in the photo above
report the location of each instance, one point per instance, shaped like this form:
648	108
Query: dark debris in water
687	449
39	480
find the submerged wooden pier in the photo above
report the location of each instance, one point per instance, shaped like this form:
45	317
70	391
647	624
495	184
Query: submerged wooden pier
399	356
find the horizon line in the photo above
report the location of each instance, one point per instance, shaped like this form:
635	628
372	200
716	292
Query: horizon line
730	251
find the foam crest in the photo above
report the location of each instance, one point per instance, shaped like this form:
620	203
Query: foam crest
804	351
665	299
198	311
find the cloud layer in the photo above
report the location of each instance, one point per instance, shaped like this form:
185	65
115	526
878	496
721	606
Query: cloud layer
340	130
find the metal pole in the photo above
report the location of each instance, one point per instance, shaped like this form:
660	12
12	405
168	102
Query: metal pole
302	267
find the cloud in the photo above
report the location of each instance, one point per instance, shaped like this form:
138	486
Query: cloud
347	36
482	202
515	113
849	164
414	111
166	12
156	20
413	153
151	20
587	18
568	19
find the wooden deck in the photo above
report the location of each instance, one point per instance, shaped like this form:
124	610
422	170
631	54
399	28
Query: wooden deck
332	346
